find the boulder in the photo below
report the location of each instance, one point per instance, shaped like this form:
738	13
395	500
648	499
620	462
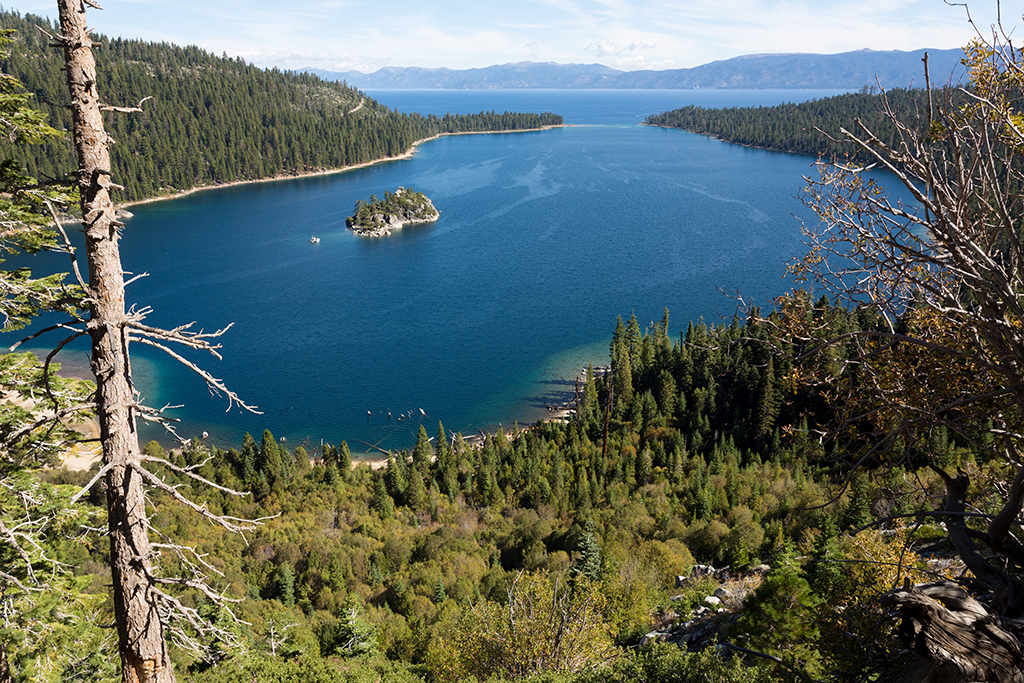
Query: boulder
654	637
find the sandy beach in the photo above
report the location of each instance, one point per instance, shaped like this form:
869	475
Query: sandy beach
82	455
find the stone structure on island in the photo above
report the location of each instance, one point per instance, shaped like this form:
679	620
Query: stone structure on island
379	217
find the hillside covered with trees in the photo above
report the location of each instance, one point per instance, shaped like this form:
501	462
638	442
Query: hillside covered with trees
211	120
697	449
811	127
845	469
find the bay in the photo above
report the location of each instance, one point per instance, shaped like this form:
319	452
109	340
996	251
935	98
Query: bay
583	107
484	316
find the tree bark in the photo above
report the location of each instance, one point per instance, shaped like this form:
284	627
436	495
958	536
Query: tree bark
955	636
143	647
1007	590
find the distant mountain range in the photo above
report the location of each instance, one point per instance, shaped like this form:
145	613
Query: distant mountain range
846	70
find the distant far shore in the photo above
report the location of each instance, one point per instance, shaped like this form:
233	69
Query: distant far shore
344	169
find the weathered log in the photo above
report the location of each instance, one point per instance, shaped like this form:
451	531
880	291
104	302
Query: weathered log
957	638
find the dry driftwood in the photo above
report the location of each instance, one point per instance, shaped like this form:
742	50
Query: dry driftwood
956	637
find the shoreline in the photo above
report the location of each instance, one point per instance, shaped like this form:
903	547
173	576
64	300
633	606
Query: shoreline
730	142
84	458
564	412
408	154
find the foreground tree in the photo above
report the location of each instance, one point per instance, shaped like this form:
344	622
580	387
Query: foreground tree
143	646
44	609
146	611
942	288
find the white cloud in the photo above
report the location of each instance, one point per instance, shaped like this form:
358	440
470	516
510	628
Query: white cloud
603	48
459	34
637	62
320	60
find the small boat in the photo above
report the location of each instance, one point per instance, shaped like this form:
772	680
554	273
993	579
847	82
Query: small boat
314	240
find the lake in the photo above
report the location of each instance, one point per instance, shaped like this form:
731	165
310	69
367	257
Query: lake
479	319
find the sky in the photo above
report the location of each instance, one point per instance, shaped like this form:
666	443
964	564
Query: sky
365	35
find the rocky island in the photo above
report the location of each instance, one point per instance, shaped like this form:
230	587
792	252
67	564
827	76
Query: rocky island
379	217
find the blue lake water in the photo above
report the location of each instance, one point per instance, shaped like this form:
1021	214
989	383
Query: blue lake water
483	317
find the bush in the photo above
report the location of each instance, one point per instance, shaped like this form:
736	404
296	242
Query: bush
664	663
547	626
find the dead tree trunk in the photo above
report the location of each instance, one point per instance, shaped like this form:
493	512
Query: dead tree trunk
955	637
143	647
1007	590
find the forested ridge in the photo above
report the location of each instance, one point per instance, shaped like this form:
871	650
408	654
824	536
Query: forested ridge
697	448
214	120
804	128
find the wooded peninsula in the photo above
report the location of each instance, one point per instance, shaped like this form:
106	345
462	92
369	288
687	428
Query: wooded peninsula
811	128
209	120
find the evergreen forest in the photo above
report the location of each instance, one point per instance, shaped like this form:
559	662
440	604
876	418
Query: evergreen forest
208	120
457	562
811	128
401	206
807	493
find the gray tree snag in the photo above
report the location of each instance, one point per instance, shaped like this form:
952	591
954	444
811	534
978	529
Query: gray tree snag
145	613
143	647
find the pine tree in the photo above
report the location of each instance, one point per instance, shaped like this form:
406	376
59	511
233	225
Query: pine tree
354	635
589	408
440	595
381	500
622	372
301	459
286	584
442	452
415	493
250	455
270	458
633	342
643	467
344	458
824	573
331	475
588	560
858	510
397	479
422	453
779	619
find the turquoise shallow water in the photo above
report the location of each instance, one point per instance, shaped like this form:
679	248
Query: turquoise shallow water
482	317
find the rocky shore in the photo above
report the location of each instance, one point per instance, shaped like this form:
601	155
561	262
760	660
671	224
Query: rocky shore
566	411
402	207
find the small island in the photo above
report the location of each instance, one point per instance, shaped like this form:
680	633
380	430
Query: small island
379	217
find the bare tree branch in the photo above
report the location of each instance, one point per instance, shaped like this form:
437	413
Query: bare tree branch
137	109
